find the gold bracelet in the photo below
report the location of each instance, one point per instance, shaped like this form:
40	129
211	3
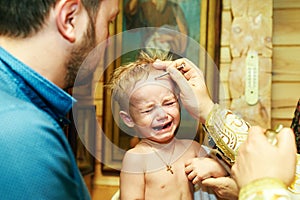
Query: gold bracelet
227	130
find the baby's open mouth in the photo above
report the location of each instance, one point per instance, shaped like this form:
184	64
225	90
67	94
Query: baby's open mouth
158	128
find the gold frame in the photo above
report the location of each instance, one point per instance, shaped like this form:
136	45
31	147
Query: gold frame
209	39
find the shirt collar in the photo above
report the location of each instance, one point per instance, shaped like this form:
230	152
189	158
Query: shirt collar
56	98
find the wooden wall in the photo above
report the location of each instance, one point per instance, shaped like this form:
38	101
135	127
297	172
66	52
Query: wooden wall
286	60
246	37
277	42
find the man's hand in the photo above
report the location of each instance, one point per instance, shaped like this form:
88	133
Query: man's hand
190	81
224	187
257	158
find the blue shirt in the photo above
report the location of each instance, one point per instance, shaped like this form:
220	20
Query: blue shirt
36	160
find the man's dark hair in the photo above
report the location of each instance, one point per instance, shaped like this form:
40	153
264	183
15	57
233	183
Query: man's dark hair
22	18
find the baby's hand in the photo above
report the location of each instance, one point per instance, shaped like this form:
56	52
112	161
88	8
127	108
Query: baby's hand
198	169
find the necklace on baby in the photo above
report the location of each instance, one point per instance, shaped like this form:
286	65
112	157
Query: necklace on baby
168	164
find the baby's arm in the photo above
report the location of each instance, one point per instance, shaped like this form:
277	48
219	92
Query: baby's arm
132	185
203	167
212	174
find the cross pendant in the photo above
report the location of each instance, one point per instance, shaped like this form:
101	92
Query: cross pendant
169	168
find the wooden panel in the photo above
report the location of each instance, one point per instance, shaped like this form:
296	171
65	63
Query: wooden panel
98	92
104	192
286	27
285	67
258	114
251	8
226	28
251	33
99	107
284	122
286	60
285	94
224	103
251	29
88	179
283	4
225	56
283	113
237	77
239	7
286	75
265	64
212	41
224	91
226	4
258	7
224	72
286	63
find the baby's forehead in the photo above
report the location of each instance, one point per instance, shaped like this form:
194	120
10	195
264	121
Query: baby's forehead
150	93
152	80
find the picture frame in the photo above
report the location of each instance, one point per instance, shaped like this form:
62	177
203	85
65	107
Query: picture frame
82	134
208	37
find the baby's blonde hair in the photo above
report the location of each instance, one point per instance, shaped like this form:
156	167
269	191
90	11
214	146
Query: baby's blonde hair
125	77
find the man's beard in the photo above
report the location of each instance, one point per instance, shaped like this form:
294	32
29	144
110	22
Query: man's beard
78	55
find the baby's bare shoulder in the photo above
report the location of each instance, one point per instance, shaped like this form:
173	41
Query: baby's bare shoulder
134	159
193	147
136	151
189	143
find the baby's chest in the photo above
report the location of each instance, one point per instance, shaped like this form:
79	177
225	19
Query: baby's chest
171	171
167	176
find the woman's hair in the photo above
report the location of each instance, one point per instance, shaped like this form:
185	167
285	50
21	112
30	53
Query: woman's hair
22	18
125	77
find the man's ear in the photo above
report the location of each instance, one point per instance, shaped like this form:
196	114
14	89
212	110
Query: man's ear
66	11
126	119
